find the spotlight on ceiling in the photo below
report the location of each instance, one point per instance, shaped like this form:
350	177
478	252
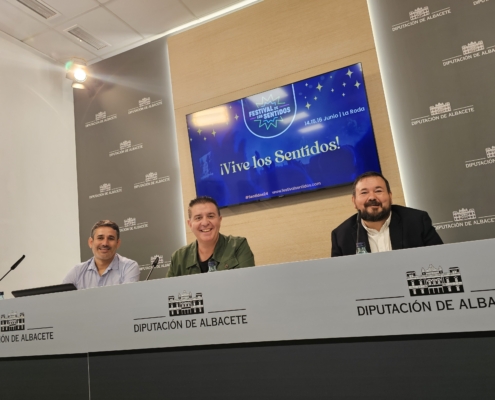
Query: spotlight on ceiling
76	71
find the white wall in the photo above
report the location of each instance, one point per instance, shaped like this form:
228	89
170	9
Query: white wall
38	199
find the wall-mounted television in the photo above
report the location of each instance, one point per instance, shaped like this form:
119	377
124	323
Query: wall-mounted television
312	134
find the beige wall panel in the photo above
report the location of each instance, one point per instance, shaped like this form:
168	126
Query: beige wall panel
263	42
296	227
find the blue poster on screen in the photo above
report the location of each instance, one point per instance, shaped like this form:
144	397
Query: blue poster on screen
309	135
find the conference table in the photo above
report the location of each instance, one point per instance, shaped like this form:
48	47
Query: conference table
402	324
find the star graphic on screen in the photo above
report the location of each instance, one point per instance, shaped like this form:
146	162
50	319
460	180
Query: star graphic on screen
204	138
230	107
213	133
236	117
319	87
307	105
332	90
349	72
306	84
316	98
357	84
344	84
343	94
190	139
199	131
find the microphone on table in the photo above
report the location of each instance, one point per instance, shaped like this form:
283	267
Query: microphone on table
153	266
359	246
13	267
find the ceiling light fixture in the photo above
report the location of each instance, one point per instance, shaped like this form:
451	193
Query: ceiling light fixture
76	71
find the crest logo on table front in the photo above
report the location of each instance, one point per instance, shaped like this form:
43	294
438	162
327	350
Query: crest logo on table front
434	281
185	304
12	322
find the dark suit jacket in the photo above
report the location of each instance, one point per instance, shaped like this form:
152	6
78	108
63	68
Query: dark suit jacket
408	228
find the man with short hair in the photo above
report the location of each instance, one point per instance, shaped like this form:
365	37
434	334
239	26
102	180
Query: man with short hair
382	226
211	251
107	267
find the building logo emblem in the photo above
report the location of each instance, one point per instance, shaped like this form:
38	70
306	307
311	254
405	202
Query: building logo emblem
471	50
464	214
269	114
106	190
131	225
144	104
442	111
12	322
490	159
463	218
151	179
100	118
126	147
419	12
434	281
420	15
185	304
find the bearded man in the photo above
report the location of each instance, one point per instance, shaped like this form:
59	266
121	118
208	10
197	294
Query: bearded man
382	226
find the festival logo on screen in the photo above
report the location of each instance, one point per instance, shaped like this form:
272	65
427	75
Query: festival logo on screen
465	217
151	179
434	281
126	147
471	50
420	15
269	114
106	190
11	324
442	111
144	104
100	118
130	224
488	160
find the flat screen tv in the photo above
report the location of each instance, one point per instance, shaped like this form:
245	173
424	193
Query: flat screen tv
312	134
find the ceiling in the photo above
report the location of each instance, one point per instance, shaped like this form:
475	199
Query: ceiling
120	24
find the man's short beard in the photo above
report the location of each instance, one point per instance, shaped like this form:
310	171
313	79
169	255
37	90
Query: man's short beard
380	216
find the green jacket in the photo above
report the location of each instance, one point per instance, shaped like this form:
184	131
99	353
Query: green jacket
230	252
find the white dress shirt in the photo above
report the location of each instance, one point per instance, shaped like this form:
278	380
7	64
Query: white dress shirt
379	240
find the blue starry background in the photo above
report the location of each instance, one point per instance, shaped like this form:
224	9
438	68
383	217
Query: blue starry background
242	137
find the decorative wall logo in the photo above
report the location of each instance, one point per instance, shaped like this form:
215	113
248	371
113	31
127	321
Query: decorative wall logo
442	111
420	15
464	214
463	218
106	190
477	2
131	225
151	179
419	12
12	322
144	104
126	147
434	281
161	263
100	118
185	304
488	160
473	47
470	51
440	108
269	114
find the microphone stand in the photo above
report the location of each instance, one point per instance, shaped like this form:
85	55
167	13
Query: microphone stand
13	267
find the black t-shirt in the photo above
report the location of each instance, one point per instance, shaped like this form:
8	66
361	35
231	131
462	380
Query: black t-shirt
203	264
